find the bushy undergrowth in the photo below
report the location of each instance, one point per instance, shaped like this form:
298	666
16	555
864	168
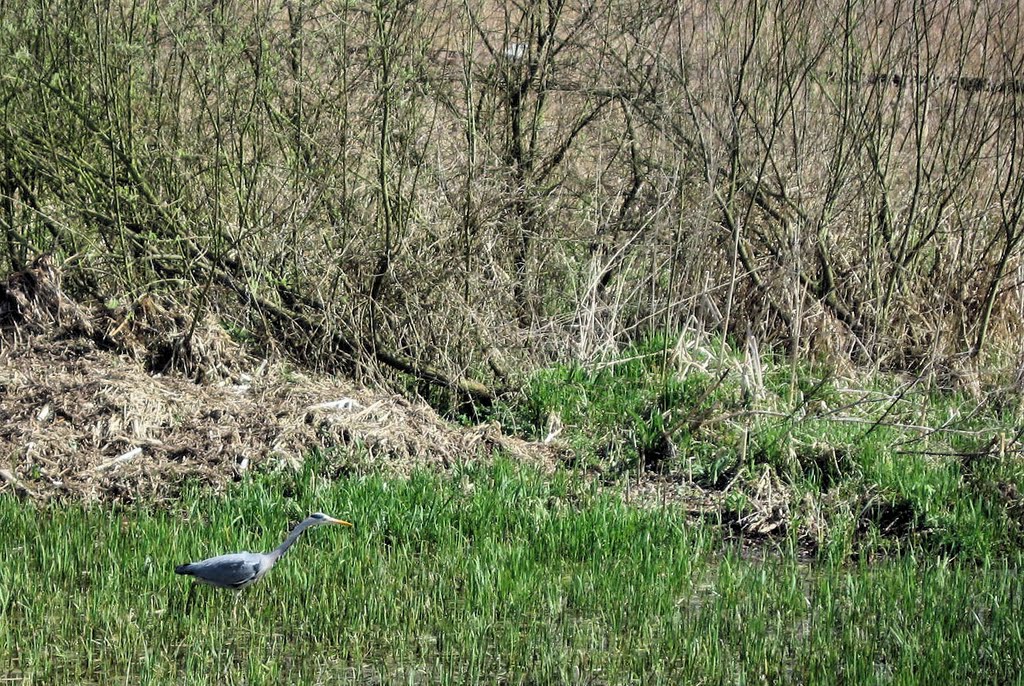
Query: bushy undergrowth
839	459
449	191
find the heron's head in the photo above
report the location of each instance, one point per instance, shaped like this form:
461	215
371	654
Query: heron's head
321	518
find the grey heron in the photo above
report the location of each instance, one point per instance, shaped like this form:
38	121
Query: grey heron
238	570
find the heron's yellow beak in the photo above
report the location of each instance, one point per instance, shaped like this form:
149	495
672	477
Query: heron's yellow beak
341	521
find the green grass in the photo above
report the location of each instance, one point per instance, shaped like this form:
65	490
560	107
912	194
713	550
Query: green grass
488	575
616	411
885	454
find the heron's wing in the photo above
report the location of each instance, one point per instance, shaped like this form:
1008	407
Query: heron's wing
229	571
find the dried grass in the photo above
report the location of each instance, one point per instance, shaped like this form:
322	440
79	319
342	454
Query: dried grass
87	417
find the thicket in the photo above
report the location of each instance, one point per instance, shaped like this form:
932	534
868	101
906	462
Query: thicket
453	190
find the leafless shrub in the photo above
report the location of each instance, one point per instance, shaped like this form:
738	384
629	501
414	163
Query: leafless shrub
429	188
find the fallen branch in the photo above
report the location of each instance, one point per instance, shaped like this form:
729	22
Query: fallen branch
15	483
343	404
120	459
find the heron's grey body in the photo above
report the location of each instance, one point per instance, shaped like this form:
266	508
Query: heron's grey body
235	570
238	570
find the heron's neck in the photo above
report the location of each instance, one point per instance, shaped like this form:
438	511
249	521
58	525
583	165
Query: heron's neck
280	550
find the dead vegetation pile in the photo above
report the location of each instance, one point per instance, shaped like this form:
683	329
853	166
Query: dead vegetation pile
131	403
